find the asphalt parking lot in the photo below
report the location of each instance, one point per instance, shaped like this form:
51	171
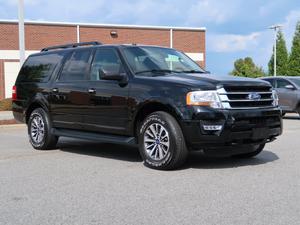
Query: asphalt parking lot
92	183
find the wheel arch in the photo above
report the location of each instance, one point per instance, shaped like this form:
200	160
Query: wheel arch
36	103
151	107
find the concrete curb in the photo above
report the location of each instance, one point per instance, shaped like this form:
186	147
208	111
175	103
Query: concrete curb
12	125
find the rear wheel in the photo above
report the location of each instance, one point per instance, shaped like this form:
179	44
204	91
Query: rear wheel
39	130
161	142
258	150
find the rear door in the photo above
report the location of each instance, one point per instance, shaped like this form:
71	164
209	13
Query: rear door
108	109
34	77
287	97
69	93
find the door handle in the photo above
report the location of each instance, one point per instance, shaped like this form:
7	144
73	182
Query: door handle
55	90
92	91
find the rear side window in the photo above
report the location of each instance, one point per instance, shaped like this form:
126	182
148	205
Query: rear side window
39	68
76	66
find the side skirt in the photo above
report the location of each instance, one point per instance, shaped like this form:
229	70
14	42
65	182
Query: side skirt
106	138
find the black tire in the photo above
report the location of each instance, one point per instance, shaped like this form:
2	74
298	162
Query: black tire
39	130
258	150
169	144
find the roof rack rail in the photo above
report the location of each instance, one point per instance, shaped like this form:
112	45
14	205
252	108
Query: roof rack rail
73	45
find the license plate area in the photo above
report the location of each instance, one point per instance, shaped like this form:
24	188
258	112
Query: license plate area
260	133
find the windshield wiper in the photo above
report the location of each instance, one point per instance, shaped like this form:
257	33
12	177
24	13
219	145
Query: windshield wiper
192	71
169	71
155	71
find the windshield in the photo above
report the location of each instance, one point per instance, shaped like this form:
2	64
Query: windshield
149	60
296	81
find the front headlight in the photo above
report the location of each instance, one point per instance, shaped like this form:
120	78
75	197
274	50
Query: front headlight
204	98
275	98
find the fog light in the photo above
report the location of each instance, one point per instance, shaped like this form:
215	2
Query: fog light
212	127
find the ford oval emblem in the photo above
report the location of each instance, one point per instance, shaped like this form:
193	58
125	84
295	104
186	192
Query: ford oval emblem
254	96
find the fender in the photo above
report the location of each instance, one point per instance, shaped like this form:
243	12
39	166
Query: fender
38	99
153	104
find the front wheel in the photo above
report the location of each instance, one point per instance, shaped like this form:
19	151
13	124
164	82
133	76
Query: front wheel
39	130
161	142
258	150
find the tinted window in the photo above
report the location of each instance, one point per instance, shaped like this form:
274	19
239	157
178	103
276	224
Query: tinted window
271	81
105	60
296	81
144	60
281	83
76	66
39	68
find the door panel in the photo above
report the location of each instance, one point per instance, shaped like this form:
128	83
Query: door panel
69	96
287	97
69	103
108	108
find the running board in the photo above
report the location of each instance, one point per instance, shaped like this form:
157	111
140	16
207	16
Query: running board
106	138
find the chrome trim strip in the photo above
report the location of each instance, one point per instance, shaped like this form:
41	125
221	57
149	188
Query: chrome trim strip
243	93
249	100
223	96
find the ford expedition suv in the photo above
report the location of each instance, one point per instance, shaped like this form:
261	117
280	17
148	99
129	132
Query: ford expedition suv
153	97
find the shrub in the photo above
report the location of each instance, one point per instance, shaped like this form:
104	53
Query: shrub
6	104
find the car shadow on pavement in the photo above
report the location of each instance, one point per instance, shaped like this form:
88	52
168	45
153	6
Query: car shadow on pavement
196	160
97	149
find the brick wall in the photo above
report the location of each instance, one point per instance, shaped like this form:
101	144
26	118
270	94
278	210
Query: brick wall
190	41
128	36
9	37
40	36
36	36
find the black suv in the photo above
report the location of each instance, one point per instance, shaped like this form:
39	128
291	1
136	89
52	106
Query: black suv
153	97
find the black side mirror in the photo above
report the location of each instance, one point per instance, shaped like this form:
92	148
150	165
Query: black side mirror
289	86
111	75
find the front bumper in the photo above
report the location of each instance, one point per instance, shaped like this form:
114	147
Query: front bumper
239	128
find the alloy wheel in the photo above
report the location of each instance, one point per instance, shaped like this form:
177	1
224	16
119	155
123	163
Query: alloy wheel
156	141
37	129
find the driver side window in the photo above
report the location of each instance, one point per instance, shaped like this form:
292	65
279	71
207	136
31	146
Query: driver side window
105	60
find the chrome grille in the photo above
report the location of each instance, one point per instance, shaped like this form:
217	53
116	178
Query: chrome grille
249	97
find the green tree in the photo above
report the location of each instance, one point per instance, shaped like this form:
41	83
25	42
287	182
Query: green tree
247	68
281	57
294	59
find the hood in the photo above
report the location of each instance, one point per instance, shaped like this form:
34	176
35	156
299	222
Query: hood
210	81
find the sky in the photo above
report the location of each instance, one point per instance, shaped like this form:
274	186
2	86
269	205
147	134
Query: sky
235	28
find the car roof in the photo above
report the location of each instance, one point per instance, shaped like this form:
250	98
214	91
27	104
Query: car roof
286	77
94	46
